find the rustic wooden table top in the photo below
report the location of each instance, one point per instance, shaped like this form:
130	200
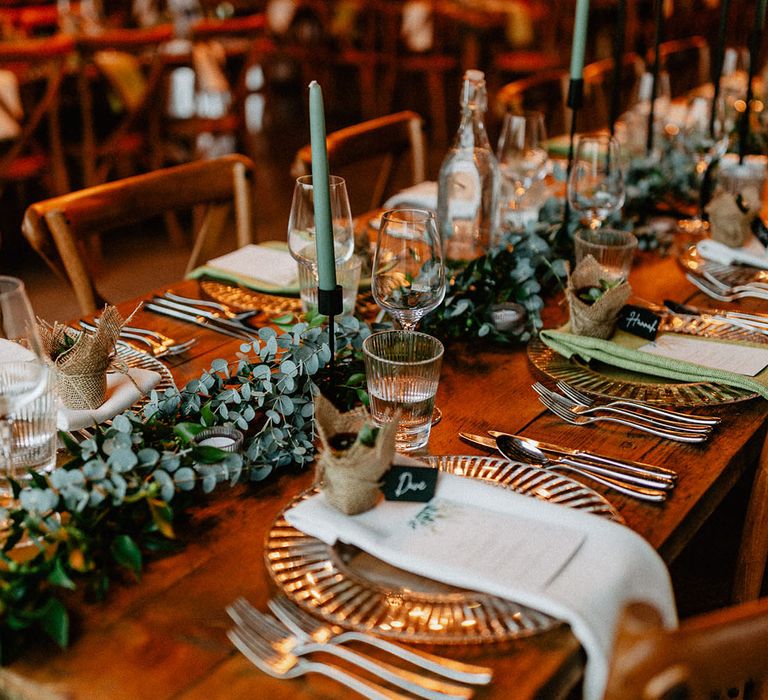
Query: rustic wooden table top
165	636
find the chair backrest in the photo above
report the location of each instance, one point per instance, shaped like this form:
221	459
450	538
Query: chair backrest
686	61
703	659
131	62
39	67
57	228
598	83
544	92
392	136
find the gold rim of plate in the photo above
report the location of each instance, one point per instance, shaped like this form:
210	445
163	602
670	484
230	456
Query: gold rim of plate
346	587
610	382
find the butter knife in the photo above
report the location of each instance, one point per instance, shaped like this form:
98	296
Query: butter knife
659	474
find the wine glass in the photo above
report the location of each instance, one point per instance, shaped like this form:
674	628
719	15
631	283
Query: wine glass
596	183
301	223
705	139
408	278
522	160
23	368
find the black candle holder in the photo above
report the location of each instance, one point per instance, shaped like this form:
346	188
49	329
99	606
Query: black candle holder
330	303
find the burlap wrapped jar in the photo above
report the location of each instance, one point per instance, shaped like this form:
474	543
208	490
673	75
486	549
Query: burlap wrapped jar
595	320
350	479
730	223
81	370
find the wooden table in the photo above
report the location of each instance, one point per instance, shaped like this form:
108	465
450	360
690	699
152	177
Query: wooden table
165	636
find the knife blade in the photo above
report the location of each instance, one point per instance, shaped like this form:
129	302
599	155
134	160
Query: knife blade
198	321
619	475
649	470
211	316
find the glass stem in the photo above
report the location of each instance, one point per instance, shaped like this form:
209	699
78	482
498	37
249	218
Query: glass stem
6	447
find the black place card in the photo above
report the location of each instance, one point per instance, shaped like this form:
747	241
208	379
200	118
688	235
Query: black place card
405	483
639	321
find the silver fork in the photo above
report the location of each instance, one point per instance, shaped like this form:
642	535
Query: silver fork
278	665
575	419
725	296
585	400
722	286
245	615
655	422
223	308
157	347
308	627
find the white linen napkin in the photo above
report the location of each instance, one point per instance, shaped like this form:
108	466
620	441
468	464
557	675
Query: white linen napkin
259	263
753	253
423	195
121	395
569	564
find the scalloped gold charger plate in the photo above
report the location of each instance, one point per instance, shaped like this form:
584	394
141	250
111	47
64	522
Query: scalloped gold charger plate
345	586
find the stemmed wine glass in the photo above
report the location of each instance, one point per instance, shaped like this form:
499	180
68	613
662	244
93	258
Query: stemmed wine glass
301	227
522	159
596	183
23	368
408	278
705	140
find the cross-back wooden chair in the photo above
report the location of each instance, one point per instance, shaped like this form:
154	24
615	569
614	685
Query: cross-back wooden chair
687	61
598	80
59	229
703	660
544	92
131	64
393	136
35	153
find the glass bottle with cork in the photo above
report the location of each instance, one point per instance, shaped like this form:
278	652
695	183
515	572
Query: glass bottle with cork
469	182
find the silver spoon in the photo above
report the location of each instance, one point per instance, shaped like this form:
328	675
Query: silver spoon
521	450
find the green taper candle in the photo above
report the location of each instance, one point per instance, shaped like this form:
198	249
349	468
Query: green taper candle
321	191
579	39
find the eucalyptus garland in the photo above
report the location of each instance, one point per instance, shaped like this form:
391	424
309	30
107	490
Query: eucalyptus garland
115	499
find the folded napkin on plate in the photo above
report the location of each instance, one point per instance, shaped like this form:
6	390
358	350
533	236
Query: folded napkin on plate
547	558
121	395
753	253
423	196
622	351
252	266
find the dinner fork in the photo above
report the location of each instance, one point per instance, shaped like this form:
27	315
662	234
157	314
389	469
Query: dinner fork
723	287
281	639
725	296
279	665
573	418
157	347
585	400
222	308
306	626
656	422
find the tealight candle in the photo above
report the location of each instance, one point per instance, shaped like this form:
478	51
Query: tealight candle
221	442
220	437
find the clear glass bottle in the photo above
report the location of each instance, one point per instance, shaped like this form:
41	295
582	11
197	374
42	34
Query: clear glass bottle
470	181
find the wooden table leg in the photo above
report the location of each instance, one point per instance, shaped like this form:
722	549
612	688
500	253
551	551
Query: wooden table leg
753	550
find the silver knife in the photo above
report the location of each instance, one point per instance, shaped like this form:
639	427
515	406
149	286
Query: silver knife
660	474
215	318
197	320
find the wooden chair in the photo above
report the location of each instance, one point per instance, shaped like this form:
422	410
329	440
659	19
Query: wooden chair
60	228
545	92
686	61
131	65
598	80
391	137
704	659
35	153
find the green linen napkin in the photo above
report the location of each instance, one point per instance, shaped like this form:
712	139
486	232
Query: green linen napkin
622	351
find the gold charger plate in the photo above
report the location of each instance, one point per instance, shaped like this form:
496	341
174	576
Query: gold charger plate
614	382
347	587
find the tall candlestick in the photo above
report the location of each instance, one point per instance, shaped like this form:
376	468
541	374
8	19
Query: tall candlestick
579	39
321	191
754	56
618	62
654	83
717	67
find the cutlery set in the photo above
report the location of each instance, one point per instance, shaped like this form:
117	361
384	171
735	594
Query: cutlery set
211	315
719	290
277	644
